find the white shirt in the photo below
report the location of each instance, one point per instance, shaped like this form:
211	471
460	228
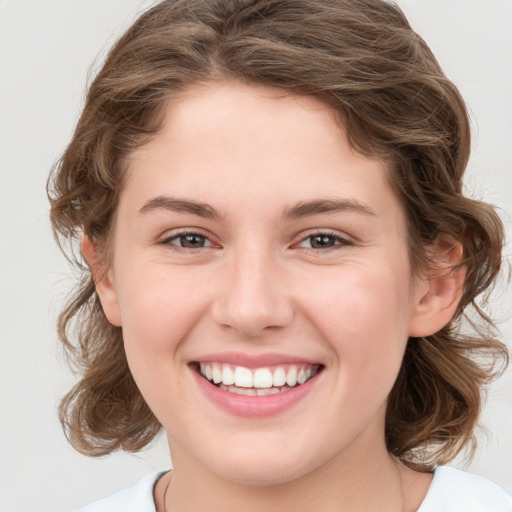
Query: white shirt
451	491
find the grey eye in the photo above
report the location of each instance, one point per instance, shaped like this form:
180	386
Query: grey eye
322	241
191	241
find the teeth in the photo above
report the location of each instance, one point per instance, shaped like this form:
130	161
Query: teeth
243	377
268	391
216	374
291	376
260	381
246	391
279	377
262	378
228	377
252	391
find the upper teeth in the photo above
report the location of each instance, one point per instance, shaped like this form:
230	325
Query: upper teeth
291	375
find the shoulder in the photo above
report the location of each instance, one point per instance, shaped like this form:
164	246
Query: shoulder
138	498
453	490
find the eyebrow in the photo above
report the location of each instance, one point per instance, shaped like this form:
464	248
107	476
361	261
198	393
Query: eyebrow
300	210
175	204
317	206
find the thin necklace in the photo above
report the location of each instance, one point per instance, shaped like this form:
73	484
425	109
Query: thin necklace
165	492
402	496
397	467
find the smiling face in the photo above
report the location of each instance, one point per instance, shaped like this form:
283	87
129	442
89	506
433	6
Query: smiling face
260	273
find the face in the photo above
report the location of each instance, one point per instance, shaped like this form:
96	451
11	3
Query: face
261	277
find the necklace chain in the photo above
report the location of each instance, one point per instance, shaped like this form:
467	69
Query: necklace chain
397	467
402	496
165	492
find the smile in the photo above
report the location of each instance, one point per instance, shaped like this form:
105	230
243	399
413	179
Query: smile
257	381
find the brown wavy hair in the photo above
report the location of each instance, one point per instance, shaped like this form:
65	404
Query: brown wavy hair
362	59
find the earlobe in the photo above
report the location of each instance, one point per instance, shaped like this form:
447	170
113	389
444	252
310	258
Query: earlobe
103	280
439	291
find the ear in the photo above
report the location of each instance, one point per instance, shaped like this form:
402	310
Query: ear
439	291
103	280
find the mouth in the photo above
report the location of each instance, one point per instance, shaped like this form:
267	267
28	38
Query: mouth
264	381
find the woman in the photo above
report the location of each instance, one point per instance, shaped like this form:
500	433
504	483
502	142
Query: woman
279	257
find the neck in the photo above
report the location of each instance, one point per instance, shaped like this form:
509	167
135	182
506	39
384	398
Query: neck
370	482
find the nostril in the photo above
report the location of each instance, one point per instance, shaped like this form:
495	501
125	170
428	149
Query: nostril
251	304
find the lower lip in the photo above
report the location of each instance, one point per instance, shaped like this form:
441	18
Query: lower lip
243	405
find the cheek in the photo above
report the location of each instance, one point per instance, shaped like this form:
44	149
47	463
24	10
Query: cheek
365	321
362	299
158	310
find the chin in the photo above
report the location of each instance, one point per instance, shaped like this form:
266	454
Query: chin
261	476
262	470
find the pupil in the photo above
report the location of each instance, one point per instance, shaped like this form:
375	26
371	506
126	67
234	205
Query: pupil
320	241
192	241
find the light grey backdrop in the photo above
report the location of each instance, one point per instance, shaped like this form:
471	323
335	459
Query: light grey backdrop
46	51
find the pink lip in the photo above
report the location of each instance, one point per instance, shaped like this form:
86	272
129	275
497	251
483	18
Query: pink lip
252	361
255	406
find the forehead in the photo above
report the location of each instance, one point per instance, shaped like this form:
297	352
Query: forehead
235	142
237	115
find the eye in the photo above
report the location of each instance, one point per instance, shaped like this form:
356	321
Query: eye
188	240
323	241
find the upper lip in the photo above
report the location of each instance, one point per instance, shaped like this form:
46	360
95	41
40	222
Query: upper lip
253	360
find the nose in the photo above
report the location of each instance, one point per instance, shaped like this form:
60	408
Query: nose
253	298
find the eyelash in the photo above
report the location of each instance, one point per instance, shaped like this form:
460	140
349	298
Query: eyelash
181	235
338	241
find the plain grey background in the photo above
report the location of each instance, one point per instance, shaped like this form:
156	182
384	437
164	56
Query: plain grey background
47	49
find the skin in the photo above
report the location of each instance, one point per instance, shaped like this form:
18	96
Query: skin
258	285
